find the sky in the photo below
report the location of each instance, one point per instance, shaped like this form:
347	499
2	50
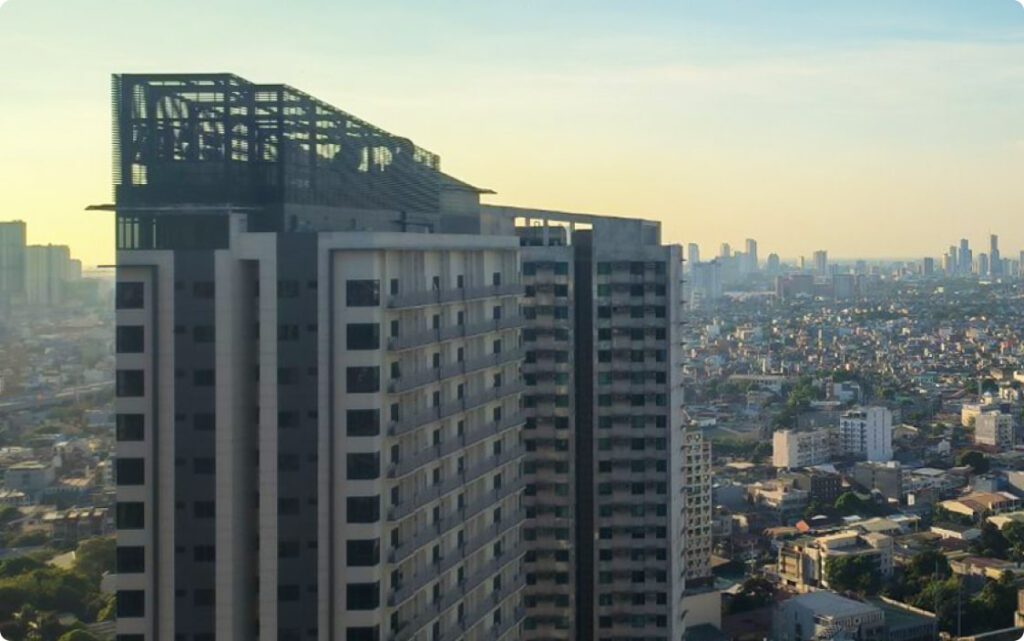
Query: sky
870	128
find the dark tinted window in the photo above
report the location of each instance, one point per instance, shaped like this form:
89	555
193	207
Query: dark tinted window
130	427
130	382
131	603
203	598
362	596
362	422
203	509
130	471
203	465
131	559
363	509
203	378
203	333
203	289
362	380
131	339
362	293
363	552
130	516
363	467
363	336
130	295
362	634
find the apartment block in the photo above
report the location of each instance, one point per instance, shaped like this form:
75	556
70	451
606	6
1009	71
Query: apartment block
792	449
995	429
354	404
866	433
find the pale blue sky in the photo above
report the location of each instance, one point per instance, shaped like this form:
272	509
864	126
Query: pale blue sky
889	127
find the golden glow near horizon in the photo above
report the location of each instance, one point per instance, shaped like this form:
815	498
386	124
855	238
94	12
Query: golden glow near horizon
864	128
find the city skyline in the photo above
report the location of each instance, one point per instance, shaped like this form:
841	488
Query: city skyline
930	87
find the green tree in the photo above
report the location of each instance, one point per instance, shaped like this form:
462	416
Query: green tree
978	462
849	503
991	543
94	557
941	597
853	574
993	607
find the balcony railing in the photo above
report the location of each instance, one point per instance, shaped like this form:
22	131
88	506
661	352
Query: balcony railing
440	296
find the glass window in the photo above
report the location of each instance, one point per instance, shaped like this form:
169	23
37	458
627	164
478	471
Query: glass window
131	559
362	380
131	603
130	471
364	467
203	289
203	422
363	509
203	509
362	596
203	333
363	552
130	515
203	378
130	295
362	336
130	383
368	633
131	339
362	422
362	293
130	427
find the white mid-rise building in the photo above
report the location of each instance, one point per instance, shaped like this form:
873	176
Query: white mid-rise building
866	432
792	449
995	429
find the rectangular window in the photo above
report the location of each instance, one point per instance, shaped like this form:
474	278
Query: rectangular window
367	633
203	465
362	596
130	515
131	339
362	293
203	598
130	383
130	471
131	603
130	427
129	295
363	553
131	559
364	467
363	509
203	333
204	554
363	336
362	422
362	380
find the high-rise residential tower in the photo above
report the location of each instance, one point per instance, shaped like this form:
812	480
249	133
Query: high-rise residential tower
353	404
821	263
750	257
995	259
603	298
12	260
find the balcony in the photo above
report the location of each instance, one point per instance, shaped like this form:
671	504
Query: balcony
438	296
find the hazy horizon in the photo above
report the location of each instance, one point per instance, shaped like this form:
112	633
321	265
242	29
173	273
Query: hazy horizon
866	129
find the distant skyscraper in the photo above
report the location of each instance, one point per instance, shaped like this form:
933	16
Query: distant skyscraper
750	258
773	263
821	263
725	251
12	260
692	256
965	258
47	271
983	265
928	266
995	260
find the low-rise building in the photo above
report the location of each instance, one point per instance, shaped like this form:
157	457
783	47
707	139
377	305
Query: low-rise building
29	477
822	487
803	562
780	496
982	504
866	432
886	478
824	616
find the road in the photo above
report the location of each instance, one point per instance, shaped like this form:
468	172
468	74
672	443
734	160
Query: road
39	401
